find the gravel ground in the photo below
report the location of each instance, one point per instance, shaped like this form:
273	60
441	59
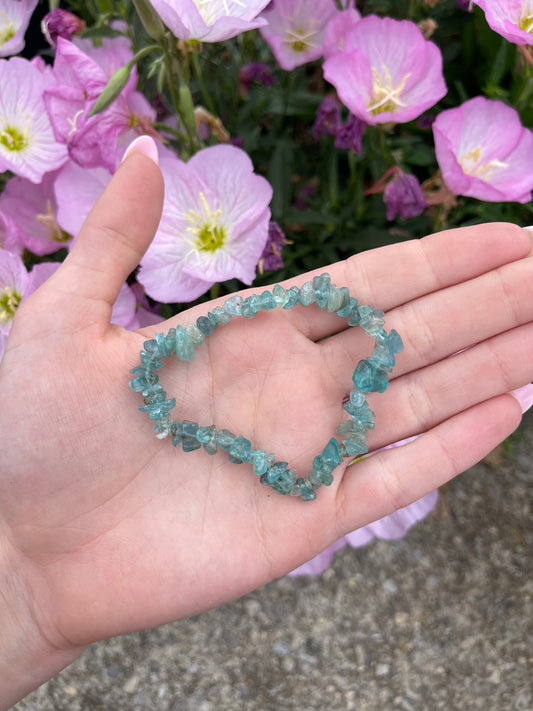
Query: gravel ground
438	620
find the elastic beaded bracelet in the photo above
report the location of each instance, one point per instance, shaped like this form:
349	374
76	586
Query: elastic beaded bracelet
370	375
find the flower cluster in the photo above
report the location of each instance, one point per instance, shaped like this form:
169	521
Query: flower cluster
291	133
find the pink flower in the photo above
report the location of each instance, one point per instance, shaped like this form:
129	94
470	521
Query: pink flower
10	237
14	20
92	142
214	225
27	144
295	30
76	190
513	19
209	20
337	29
16	284
484	151
33	209
387	72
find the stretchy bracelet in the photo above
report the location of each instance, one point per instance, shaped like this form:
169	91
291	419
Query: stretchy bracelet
370	375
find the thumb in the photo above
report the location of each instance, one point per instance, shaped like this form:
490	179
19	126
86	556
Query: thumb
113	238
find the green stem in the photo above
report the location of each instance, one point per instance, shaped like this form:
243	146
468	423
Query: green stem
174	93
203	90
214	291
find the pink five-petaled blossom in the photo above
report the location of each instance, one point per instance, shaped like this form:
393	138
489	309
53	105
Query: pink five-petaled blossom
388	72
295	30
484	151
336	31
209	20
92	141
16	284
214	225
513	19
27	144
14	20
33	209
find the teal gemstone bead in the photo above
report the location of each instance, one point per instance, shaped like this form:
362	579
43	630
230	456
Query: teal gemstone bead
143	383
335	299
293	297
280	295
363	415
239	450
280	478
233	305
348	308
150	360
373	322
170	340
194	334
189	441
321	287
259	461
251	306
393	341
207	436
221	316
354	448
157	410
144	371
162	346
184	347
330	453
354	317
212	320
204	325
370	377
155	389
161	428
383	357
150	346
350	428
267	301
155	397
322	469
313	481
357	398
307	294
303	491
225	439
175	433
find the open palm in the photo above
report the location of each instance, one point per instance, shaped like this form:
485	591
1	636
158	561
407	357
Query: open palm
109	529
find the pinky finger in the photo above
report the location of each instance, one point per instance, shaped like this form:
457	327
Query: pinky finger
393	478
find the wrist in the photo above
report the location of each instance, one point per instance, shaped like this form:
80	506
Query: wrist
27	657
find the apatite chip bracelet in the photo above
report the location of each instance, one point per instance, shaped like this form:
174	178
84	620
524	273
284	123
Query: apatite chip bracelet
370	375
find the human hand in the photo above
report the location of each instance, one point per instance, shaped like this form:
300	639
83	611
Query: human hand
105	529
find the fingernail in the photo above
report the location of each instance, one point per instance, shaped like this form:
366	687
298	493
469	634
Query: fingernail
529	230
524	396
145	145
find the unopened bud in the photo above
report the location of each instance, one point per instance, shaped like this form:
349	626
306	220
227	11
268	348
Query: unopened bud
112	89
150	19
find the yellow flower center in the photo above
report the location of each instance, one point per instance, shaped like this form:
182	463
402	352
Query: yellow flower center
208	234
7	30
299	39
9	303
13	138
471	163
525	22
48	219
385	96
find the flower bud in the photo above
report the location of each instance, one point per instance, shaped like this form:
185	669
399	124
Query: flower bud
112	89
150	19
60	23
